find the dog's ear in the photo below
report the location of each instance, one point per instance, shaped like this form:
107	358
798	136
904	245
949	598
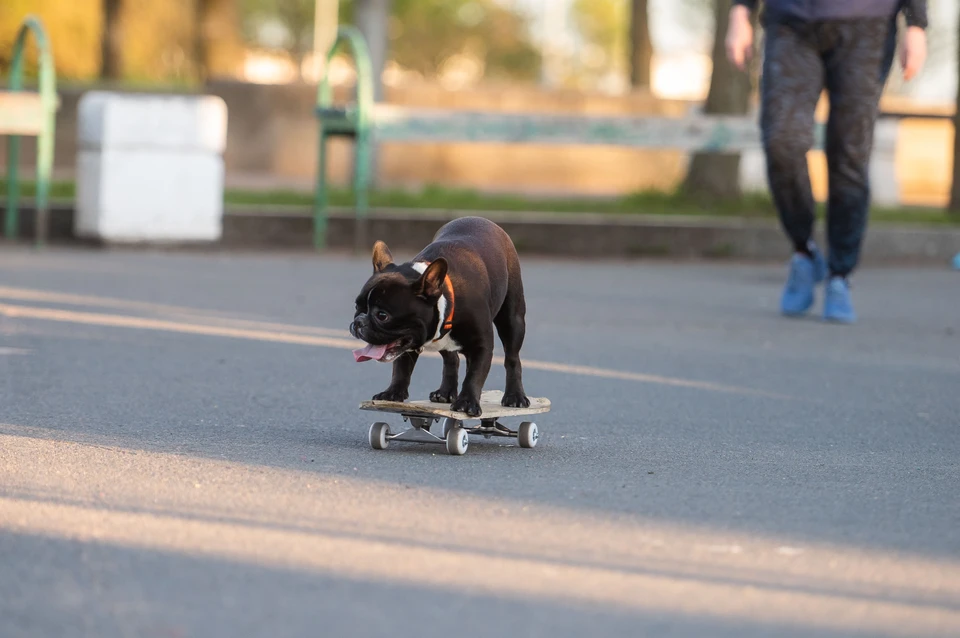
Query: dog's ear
381	257
431	281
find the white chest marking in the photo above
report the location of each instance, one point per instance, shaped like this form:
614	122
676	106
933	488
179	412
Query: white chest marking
447	343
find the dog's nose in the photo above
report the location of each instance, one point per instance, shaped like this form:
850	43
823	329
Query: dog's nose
356	327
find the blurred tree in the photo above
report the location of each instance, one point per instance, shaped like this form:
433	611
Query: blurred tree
718	174
372	17
111	41
73	28
201	10
217	46
602	24
283	25
641	46
954	205
158	43
425	35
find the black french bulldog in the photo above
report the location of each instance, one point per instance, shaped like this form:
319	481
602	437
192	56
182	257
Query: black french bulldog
447	299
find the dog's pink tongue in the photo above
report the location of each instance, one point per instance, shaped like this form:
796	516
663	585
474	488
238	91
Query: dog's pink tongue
368	353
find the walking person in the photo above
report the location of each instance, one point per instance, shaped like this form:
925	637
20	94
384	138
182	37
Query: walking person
846	47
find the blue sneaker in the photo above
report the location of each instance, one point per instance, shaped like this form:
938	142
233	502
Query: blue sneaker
805	274
837	305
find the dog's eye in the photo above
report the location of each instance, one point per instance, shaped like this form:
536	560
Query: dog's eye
382	316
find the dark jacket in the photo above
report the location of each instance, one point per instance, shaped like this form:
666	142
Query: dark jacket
915	11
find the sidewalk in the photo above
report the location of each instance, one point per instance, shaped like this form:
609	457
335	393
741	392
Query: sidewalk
573	235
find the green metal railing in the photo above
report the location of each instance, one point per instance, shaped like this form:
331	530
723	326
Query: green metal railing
23	113
351	121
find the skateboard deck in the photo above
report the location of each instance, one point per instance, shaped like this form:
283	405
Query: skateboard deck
454	435
489	405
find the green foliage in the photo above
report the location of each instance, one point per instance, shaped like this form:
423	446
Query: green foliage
157	44
158	36
73	28
425	34
604	27
295	17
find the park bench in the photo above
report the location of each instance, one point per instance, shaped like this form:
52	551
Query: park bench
30	113
367	122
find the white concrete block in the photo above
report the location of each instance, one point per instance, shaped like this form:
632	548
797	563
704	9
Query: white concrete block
753	171
122	120
884	181
150	167
149	195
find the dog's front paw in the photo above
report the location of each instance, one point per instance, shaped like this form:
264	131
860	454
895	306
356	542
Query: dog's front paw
468	405
515	400
444	395
392	394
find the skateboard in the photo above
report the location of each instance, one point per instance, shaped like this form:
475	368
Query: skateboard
454	435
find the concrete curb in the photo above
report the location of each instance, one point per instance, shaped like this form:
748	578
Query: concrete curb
576	235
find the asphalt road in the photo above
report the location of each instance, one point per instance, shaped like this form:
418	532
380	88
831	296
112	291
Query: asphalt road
181	455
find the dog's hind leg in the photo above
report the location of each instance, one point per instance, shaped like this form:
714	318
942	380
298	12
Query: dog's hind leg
511	326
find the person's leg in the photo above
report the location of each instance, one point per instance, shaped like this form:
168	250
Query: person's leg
791	84
858	58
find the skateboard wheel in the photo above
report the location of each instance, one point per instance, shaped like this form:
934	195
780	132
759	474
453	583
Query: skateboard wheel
457	441
448	424
378	436
528	434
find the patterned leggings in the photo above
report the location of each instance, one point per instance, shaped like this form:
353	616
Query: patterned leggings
851	59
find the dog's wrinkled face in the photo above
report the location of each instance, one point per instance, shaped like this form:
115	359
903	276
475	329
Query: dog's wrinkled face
396	310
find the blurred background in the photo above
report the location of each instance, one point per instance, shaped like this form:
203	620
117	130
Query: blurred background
631	57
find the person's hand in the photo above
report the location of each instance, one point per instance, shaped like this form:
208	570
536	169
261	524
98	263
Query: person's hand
739	37
914	52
